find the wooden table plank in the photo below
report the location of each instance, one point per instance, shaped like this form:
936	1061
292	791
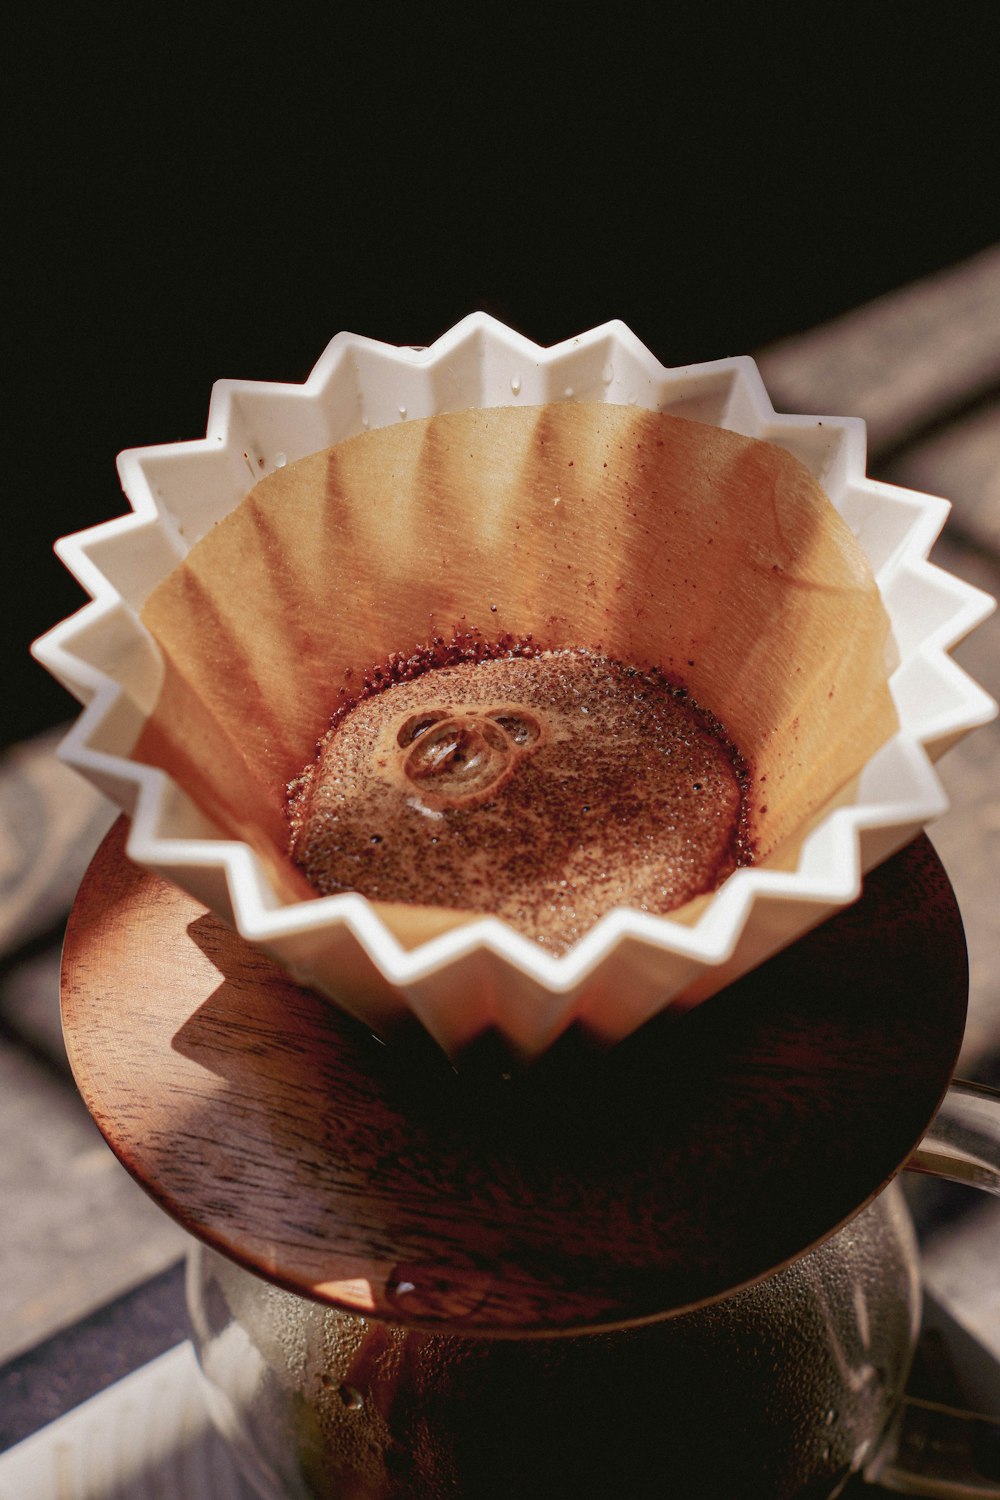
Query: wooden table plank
908	359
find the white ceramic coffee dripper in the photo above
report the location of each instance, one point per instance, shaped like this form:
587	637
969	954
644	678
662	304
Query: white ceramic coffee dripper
480	974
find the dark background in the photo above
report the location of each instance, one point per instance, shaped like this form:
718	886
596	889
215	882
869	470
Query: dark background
206	198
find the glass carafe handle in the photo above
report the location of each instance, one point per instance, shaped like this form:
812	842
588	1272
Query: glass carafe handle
932	1449
963	1142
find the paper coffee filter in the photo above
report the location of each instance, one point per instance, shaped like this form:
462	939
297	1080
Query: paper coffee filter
657	540
406	494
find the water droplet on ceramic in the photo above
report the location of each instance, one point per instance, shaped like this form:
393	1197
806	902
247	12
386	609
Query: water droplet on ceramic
402	412
280	460
568	393
608	374
351	1397
515	384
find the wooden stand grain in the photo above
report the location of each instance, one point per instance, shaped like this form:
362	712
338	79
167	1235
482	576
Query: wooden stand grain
592	1192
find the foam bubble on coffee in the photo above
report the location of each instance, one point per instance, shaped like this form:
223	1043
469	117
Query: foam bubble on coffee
546	788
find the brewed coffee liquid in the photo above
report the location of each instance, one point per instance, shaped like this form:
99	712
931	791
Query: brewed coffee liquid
545	789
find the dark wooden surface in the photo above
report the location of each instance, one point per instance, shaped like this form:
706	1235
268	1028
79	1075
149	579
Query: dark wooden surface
592	1191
